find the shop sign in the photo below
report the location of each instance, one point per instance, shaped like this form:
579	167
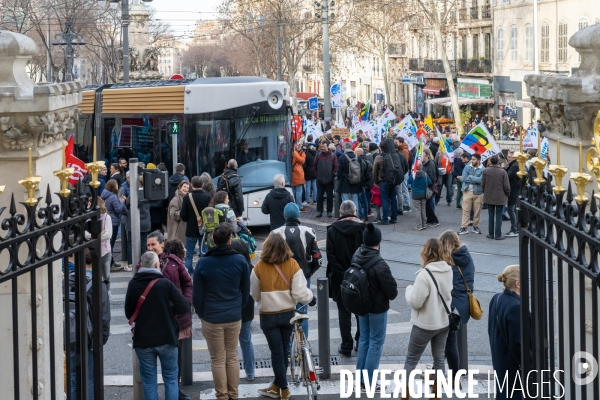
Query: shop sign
433	75
474	90
417	80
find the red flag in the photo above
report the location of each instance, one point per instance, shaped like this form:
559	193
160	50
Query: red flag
74	162
296	128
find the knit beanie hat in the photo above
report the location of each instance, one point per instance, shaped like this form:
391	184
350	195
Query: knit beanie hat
372	146
371	235
291	211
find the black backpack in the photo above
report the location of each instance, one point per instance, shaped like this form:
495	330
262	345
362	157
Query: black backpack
367	178
324	167
72	323
355	288
392	169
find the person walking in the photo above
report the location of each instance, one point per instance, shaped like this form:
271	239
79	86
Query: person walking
421	183
463	270
302	241
344	237
431	170
496	188
325	168
277	283
231	182
472	193
382	289
175	225
504	331
156	331
349	175
298	160
176	179
115	206
275	202
220	201
191	210
428	315
460	160
221	290
515	186
385	163
245	339
309	173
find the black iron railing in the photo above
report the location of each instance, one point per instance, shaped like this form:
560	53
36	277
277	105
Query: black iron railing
415	64
438	66
475	66
486	12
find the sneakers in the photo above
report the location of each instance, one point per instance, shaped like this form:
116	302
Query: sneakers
344	353
272	392
476	230
377	220
319	214
419	228
470	223
511	234
183	396
500	238
433	224
463	231
383	223
285	394
364	389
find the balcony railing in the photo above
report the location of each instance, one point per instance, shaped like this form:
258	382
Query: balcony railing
475	66
474	13
462	14
438	66
415	64
486	12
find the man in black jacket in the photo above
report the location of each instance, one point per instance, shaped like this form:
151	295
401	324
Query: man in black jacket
513	197
382	288
275	202
178	176
344	237
156	331
325	167
190	215
231	182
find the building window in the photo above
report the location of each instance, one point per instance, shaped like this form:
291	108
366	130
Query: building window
487	45
545	44
513	43
562	42
583	23
500	52
475	47
528	43
464	47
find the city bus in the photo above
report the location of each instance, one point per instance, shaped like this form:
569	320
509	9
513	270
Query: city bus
218	119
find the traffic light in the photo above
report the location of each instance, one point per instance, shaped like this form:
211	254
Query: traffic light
173	128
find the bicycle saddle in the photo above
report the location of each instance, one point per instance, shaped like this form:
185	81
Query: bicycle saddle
298	317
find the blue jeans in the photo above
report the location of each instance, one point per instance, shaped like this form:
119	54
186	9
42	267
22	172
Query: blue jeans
167	353
74	374
190	246
311	188
388	200
363	206
247	348
298	195
350	196
278	331
370	343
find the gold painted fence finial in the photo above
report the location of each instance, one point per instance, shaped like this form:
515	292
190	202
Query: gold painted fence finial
30	183
592	159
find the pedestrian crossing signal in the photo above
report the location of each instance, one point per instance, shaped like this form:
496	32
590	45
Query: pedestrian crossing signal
173	128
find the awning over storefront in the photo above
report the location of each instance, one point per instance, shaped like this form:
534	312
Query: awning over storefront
525	103
462	101
430	90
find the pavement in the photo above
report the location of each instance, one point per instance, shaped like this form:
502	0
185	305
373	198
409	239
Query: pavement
400	248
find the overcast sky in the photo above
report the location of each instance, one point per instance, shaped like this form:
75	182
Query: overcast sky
183	14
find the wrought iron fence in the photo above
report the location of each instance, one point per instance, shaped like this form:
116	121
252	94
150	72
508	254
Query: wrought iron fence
475	66
438	66
34	244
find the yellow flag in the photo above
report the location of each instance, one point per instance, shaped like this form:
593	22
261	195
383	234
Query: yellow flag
428	125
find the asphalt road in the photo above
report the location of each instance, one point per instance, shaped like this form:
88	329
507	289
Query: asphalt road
400	248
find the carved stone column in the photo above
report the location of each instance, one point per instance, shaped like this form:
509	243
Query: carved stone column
37	117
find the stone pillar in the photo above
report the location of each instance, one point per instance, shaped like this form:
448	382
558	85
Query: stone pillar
37	117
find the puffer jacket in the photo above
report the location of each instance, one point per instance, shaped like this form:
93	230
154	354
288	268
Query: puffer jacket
382	285
298	159
174	270
232	181
175	225
114	207
460	299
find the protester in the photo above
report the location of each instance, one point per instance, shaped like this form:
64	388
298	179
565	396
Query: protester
403	195
124	191
277	301
275	202
117	174
430	169
325	168
105	249
496	188
175	179
303	243
221	290
460	160
382	289
344	237
102	179
176	227
472	194
428	315
115	207
463	269
388	159
367	183
349	175
421	183
434	146
247	316
156	331
504	331
444	166
191	210
231	182
309	173
515	186
207	184
298	181
145	225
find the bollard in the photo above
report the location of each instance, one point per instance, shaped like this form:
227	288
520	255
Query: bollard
463	347
186	362
323	327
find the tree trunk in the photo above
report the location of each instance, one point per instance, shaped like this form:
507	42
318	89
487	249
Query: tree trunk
386	80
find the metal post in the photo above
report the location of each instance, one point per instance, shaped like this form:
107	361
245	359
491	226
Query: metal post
134	212
48	61
463	347
323	327
174	143
125	24
187	365
278	51
326	77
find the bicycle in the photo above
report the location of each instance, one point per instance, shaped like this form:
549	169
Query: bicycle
302	367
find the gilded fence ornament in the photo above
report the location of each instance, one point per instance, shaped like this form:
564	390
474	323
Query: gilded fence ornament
95	167
558	171
592	158
30	183
580	179
63	175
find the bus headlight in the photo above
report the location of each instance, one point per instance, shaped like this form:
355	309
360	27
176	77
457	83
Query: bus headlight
256	202
275	100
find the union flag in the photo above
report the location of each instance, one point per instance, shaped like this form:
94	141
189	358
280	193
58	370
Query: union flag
75	163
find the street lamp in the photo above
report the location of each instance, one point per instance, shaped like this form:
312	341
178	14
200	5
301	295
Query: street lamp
68	38
125	17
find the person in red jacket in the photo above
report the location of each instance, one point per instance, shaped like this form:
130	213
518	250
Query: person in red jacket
174	270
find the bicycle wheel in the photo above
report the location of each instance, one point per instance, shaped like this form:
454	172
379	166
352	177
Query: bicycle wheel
294	365
311	386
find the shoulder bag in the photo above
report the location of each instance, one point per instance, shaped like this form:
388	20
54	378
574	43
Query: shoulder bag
453	316
139	304
474	306
287	282
201	230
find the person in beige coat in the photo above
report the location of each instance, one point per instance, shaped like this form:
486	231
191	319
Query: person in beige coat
175	226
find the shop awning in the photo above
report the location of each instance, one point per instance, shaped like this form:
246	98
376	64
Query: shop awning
462	101
431	90
525	103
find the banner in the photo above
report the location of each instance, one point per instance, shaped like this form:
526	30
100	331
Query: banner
480	141
407	129
311	129
363	115
544	151
530	141
388	115
418	157
337	100
443	146
74	162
